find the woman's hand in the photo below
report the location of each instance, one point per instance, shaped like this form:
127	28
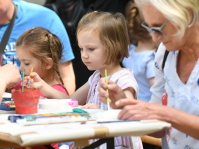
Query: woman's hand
114	92
137	110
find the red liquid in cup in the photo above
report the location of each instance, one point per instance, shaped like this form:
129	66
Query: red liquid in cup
26	102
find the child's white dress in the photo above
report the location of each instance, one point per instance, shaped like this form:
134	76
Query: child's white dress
124	79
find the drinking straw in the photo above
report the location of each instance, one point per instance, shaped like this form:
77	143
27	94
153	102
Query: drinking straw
22	81
107	98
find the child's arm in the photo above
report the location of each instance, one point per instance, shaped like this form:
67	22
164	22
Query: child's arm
47	90
81	94
130	93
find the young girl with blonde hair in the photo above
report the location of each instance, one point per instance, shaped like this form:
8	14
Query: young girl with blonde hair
103	41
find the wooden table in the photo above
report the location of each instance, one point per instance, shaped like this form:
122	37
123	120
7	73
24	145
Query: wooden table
15	135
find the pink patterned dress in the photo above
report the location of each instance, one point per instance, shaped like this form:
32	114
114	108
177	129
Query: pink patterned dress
124	79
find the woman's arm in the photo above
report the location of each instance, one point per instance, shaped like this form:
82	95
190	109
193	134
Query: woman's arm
180	120
81	94
68	76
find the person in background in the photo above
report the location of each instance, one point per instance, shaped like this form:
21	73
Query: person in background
9	77
30	15
141	52
175	97
103	5
103	41
40	51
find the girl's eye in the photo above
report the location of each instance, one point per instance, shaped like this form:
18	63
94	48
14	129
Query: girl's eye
91	49
26	64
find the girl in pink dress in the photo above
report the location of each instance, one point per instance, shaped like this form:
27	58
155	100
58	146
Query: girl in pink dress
40	51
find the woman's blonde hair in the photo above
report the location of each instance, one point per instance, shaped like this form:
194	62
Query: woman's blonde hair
111	30
182	13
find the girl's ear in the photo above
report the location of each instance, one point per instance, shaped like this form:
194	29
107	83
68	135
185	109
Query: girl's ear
48	63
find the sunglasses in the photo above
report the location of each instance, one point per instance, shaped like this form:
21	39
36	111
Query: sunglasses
157	30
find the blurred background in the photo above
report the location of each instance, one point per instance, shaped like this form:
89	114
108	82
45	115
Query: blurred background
41	2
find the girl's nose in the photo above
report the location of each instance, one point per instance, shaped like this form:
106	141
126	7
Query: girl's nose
84	55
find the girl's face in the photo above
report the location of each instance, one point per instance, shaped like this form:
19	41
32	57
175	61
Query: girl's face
93	53
28	61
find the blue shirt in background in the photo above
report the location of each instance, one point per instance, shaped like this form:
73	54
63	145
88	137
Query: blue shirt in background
31	15
142	64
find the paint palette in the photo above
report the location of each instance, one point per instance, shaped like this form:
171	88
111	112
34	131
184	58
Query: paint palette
7	104
77	115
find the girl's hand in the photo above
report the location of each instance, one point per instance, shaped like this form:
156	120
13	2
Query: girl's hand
33	81
114	92
90	106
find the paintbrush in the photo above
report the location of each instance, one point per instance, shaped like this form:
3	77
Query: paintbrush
30	76
107	98
22	89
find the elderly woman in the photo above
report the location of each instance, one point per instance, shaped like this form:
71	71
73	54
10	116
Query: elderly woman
175	94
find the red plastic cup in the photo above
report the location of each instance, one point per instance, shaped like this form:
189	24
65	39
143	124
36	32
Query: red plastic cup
26	102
